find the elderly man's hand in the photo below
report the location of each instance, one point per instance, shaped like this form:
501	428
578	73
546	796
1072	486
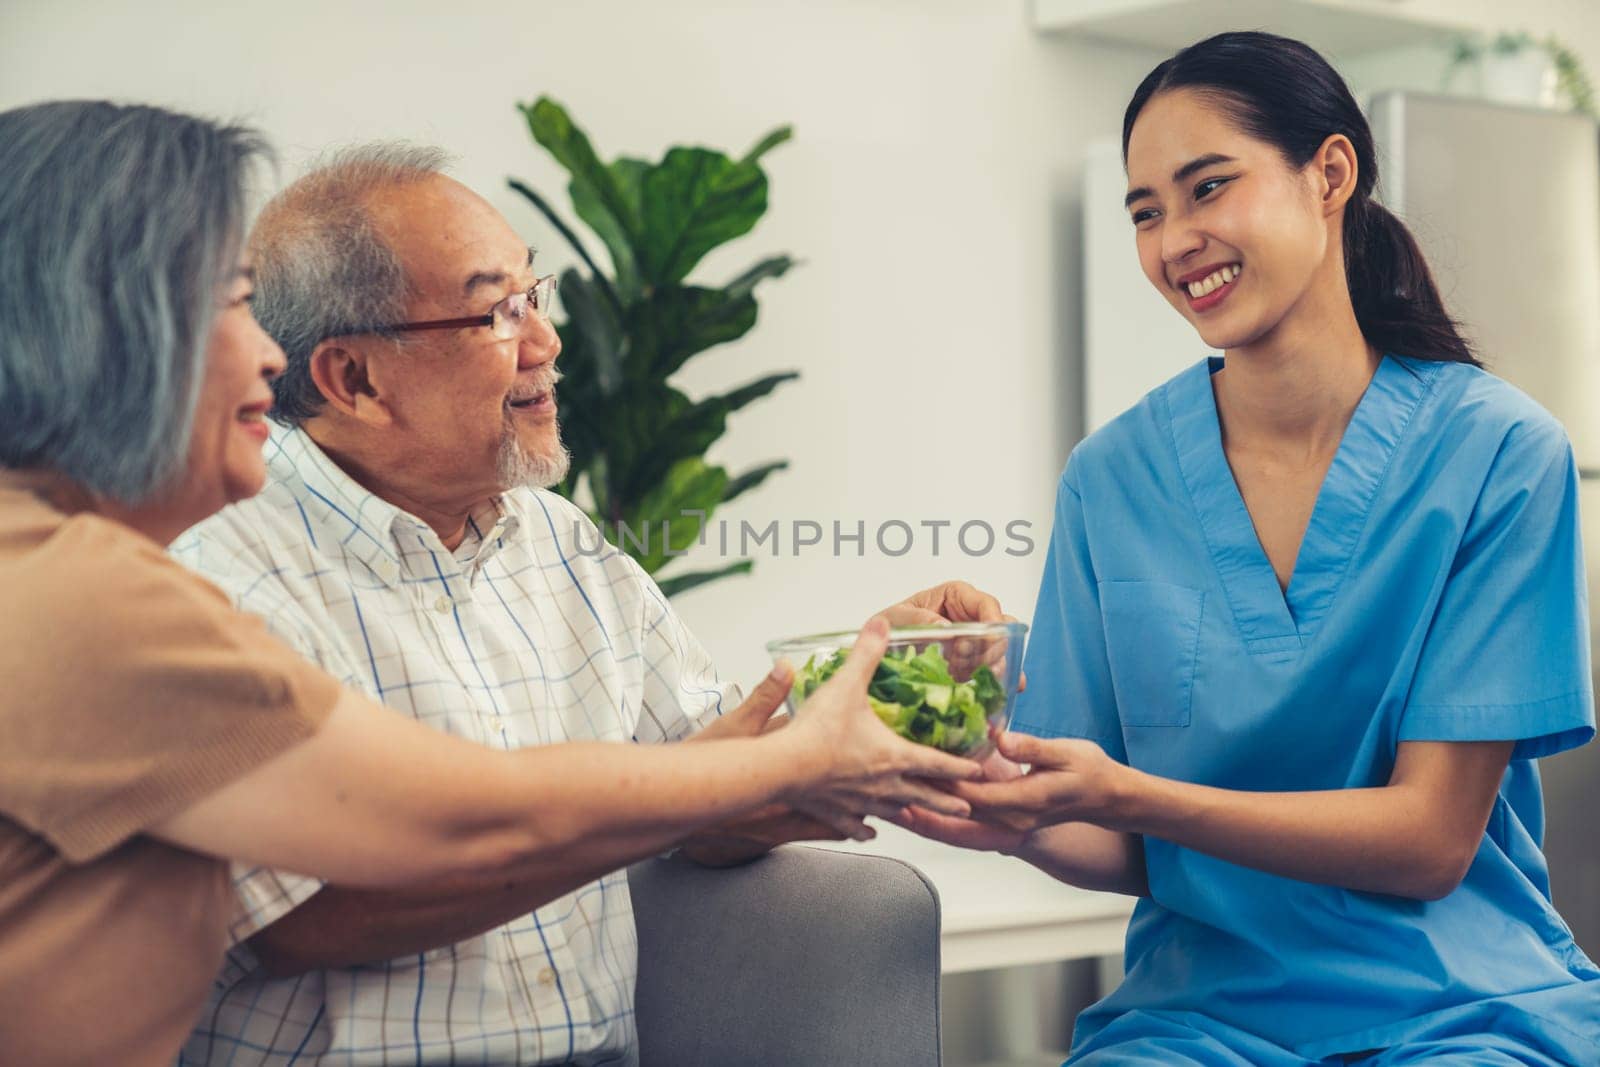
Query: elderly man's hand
756	834
742	840
954	602
759	712
946	602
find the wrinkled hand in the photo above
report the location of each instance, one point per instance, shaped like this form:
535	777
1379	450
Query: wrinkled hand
758	713
997	768
962	833
1070	780
865	768
946	602
957	602
743	839
969	833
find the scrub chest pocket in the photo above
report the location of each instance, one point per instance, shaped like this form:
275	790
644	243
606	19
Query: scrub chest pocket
1152	643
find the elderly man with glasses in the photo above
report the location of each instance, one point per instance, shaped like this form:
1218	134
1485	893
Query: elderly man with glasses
406	543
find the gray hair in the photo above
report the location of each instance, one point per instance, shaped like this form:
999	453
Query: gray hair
120	224
322	270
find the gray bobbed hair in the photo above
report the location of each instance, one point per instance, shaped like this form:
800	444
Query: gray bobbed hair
118	225
322	269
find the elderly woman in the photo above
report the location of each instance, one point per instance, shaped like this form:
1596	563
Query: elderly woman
146	728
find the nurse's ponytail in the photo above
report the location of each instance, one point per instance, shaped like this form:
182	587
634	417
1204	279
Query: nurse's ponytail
1284	93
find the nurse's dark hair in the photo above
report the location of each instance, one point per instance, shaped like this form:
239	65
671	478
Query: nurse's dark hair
1284	93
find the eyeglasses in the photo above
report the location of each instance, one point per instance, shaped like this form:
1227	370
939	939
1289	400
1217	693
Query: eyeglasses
507	319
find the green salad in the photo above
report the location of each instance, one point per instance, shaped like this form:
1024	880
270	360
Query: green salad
916	696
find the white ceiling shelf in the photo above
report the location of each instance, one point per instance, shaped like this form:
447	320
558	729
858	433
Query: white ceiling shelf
1338	27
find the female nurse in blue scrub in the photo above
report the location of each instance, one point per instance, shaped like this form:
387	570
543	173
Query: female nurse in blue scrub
1310	613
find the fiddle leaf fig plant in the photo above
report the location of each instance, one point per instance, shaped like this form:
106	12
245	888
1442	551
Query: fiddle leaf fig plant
638	444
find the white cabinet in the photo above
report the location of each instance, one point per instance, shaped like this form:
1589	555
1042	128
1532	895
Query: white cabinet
1336	27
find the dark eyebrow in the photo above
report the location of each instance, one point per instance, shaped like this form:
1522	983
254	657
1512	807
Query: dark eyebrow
496	278
1210	159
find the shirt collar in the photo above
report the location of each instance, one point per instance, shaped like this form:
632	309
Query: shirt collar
371	528
366	522
490	527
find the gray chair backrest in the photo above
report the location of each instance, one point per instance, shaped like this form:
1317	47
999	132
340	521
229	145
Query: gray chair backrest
805	957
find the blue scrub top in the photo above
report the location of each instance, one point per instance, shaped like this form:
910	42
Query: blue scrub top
1438	595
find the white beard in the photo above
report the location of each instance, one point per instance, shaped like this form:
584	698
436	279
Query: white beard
519	468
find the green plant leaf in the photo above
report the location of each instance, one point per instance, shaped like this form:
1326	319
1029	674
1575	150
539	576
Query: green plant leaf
629	175
600	490
552	217
645	429
605	344
638	445
1572	81
768	143
646	439
694	200
682	583
771	267
582	406
599	194
732	401
690	485
690	429
752	478
678	322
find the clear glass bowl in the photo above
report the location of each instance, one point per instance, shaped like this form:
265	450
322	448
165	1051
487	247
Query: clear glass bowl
952	687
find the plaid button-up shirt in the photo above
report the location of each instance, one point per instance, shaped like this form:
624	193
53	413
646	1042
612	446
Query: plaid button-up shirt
531	632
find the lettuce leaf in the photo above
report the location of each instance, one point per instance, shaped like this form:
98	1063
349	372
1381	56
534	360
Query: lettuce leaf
915	695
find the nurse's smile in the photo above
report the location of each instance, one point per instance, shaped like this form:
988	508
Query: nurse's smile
1209	286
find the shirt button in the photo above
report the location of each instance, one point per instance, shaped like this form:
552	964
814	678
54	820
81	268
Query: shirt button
442	605
547	977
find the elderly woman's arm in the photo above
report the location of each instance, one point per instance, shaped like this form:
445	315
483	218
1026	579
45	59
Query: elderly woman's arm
374	798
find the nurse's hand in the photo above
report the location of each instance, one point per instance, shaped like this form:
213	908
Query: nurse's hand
962	833
1069	780
966	833
1075	851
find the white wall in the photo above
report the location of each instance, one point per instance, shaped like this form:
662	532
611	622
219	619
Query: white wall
929	189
